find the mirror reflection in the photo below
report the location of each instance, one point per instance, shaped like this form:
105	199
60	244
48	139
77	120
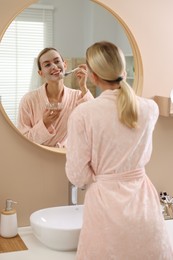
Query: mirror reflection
44	112
68	26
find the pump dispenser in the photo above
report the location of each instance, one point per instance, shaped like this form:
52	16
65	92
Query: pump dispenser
9	220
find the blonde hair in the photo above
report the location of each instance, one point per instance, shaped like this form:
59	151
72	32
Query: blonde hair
107	61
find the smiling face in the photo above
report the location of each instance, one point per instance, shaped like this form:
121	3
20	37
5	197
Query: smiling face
52	66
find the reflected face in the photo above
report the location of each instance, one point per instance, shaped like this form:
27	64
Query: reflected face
52	66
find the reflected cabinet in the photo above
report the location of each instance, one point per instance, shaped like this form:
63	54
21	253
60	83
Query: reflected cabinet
130	68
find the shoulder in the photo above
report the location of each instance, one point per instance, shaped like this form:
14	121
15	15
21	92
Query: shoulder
148	102
148	106
31	95
84	110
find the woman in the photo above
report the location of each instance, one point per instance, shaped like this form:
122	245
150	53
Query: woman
109	143
38	119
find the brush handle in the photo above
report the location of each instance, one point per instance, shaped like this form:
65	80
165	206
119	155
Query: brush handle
71	71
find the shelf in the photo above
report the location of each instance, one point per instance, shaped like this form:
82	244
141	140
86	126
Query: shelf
165	105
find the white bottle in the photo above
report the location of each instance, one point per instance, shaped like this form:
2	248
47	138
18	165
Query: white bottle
9	227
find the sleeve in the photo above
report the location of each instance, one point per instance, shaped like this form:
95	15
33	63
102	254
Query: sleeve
152	117
35	132
155	108
78	155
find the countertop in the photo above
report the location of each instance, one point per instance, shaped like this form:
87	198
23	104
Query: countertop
36	250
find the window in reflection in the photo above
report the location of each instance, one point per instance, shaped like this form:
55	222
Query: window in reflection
30	32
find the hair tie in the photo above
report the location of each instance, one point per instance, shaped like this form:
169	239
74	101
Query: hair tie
114	80
119	79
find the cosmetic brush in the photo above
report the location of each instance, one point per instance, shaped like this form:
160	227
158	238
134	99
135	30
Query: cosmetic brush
69	72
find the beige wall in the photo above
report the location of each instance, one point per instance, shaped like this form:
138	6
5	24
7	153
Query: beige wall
159	168
150	23
34	177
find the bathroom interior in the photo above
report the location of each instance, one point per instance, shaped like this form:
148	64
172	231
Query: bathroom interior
33	175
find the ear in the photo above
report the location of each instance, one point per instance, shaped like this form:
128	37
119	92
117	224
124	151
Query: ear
124	74
40	72
65	64
94	77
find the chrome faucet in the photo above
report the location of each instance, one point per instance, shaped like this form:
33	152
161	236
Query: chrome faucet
74	193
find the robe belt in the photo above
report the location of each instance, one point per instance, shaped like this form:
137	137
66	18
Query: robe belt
123	176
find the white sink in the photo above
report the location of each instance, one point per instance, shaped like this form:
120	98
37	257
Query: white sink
59	227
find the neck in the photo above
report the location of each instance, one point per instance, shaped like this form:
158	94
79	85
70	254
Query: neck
54	91
104	85
110	86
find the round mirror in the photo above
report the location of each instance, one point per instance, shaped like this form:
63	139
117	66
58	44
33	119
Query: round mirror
70	27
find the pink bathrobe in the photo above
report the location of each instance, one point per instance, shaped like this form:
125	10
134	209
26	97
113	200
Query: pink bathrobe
122	214
30	120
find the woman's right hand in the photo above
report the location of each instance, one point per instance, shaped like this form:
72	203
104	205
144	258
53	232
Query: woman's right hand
82	75
50	116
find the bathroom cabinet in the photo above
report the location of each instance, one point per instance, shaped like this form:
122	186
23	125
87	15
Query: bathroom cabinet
165	106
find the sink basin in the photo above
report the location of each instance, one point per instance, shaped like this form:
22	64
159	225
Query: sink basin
58	227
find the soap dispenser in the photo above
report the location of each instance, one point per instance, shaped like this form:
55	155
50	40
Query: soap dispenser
9	220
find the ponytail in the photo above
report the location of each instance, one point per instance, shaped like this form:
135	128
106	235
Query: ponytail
127	105
107	61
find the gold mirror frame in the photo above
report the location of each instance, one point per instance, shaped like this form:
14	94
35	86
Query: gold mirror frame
138	79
